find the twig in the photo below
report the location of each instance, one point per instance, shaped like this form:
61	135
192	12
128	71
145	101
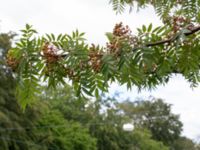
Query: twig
192	31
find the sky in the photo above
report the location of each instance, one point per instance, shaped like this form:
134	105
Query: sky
95	18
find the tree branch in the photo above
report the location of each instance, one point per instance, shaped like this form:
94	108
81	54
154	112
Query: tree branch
192	31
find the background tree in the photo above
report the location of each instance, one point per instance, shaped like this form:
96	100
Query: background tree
6	40
184	143
156	116
59	133
103	121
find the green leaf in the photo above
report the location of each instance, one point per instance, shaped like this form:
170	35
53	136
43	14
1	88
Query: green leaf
49	37
59	37
53	37
96	93
110	36
144	29
28	26
150	28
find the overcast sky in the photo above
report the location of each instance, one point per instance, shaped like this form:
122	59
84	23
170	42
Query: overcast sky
95	17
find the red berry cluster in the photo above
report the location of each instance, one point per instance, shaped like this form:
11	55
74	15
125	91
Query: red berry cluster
50	53
11	61
114	47
95	56
120	30
178	23
122	34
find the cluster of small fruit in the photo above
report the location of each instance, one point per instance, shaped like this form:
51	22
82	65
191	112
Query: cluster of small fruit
121	35
12	61
179	23
50	53
95	56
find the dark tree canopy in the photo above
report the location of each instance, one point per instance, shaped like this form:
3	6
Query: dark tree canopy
145	59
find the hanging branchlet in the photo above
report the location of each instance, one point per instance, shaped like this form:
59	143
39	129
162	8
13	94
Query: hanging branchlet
95	56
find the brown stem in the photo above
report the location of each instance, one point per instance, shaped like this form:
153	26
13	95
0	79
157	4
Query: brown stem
192	31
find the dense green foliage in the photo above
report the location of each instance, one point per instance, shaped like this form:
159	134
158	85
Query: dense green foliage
164	8
144	59
12	117
62	134
103	121
184	143
105	118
